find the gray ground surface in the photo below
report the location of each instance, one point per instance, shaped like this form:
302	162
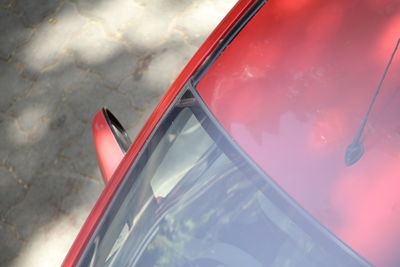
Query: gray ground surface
60	61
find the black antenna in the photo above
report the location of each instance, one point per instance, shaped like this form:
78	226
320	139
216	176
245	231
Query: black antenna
355	150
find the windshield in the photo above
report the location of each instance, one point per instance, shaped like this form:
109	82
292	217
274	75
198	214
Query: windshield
193	199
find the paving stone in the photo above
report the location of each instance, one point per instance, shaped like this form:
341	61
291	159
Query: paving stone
12	137
33	118
113	14
80	202
139	93
155	23
35	11
64	126
60	233
48	245
4	146
108	57
52	241
10	248
83	155
11	85
34	111
157	71
85	99
223	6
10	190
40	204
46	46
12	33
45	125
60	131
63	75
194	23
117	69
28	161
35	210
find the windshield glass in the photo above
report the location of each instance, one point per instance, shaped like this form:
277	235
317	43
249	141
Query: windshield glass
193	199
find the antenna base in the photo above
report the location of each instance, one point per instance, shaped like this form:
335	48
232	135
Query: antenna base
354	152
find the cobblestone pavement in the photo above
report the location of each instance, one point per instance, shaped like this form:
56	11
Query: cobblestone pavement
60	61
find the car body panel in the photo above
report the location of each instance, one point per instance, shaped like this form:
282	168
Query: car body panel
105	198
294	99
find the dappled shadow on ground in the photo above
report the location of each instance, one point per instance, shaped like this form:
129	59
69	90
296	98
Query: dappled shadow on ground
61	61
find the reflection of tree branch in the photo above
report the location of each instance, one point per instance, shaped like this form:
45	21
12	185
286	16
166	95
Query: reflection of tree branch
181	225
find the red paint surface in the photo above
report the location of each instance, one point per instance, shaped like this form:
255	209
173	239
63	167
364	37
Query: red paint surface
201	55
108	151
292	90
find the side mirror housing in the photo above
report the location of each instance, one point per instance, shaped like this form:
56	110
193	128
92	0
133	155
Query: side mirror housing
111	142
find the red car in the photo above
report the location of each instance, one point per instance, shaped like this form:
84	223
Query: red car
278	145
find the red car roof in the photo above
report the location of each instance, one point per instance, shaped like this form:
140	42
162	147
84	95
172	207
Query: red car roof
292	90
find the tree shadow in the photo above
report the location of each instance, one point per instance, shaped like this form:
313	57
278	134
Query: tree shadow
50	89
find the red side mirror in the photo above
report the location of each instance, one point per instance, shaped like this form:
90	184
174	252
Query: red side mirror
111	142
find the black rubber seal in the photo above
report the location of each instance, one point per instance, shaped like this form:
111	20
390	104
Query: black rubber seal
227	40
118	130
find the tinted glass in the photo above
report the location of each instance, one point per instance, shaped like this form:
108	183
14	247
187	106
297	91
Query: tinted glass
193	199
